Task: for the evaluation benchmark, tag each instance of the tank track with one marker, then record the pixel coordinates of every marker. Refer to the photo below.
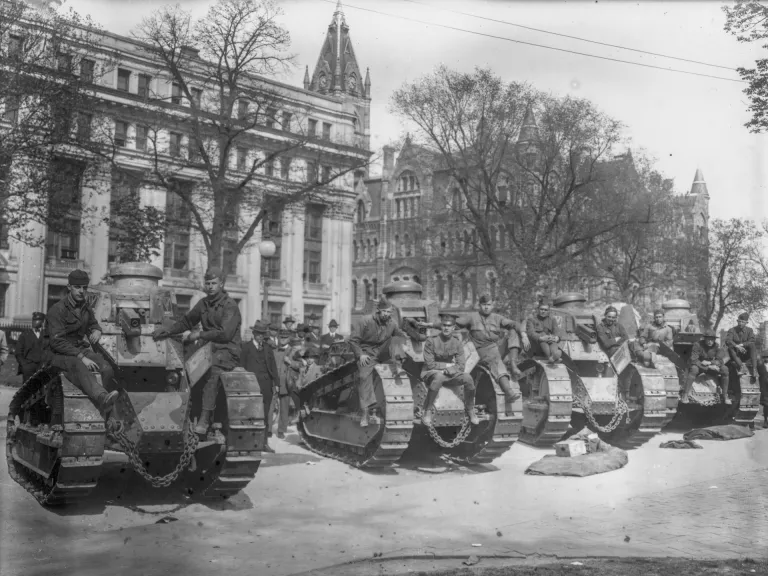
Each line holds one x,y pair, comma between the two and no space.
396,403
78,442
545,418
671,381
749,401
497,440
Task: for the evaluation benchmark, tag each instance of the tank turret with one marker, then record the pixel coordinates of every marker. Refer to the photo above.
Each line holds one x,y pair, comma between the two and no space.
677,313
569,300
403,290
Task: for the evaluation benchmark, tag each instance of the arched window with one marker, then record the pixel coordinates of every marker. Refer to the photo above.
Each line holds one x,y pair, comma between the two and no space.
375,248
459,244
360,211
440,285
368,251
394,246
356,249
443,246
368,293
354,293
407,246
375,288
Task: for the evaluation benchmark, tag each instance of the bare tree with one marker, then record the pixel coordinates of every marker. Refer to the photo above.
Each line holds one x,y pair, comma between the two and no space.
229,129
539,193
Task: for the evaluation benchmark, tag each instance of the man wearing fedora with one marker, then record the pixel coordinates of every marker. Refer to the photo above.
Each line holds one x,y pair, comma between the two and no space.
331,337
219,318
289,322
257,357
72,331
29,347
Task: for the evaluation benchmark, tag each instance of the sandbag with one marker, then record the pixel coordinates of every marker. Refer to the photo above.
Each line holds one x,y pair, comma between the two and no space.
726,432
681,444
605,459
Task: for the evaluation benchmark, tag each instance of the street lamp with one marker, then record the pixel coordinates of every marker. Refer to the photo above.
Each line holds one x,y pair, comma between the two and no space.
267,250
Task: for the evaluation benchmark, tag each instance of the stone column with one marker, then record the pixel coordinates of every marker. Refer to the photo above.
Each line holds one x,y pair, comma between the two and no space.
329,267
253,277
293,266
94,239
30,283
155,196
345,272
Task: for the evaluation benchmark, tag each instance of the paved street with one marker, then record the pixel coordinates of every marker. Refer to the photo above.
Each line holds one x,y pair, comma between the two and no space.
304,513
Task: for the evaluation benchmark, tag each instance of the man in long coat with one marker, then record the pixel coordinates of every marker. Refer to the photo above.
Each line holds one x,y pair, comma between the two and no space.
257,357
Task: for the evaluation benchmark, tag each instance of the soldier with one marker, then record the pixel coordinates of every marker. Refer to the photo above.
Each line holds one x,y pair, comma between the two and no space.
444,363
657,332
707,358
219,317
610,334
545,333
258,357
485,330
375,338
29,348
72,330
740,342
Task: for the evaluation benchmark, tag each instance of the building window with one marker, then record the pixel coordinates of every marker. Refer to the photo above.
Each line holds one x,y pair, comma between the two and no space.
270,120
285,168
310,309
271,228
311,172
11,109
312,262
313,225
62,118
312,132
64,209
197,96
176,93
86,71
398,207
144,80
354,294
375,284
242,109
183,304
228,254
174,142
368,290
287,121
124,195
15,46
313,234
3,292
326,131
123,79
64,63
121,133
242,158
275,312
269,168
327,174
360,211
84,126
141,137
55,294
177,237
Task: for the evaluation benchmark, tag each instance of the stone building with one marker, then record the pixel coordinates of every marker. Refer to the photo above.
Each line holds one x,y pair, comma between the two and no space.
399,233
311,271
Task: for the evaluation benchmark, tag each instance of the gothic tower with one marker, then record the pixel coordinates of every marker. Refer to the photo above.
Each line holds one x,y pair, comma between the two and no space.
338,74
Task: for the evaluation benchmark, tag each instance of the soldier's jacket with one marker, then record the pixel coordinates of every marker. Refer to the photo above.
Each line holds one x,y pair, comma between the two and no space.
220,321
611,337
537,327
68,326
652,333
368,334
737,335
439,352
701,351
487,330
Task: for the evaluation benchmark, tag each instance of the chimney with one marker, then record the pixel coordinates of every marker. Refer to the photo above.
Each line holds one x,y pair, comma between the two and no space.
389,163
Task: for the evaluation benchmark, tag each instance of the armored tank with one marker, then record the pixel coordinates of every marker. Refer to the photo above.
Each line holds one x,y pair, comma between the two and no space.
57,437
624,402
330,421
705,401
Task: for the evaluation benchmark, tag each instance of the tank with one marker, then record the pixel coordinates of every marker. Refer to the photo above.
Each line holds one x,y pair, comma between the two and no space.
57,437
705,403
624,402
329,418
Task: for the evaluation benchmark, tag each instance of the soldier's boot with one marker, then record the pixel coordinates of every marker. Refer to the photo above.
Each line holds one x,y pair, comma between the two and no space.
429,403
513,369
510,388
724,381
370,418
108,403
469,403
204,422
687,389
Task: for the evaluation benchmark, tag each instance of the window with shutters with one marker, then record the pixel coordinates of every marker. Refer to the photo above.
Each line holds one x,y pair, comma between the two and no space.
121,133
178,231
176,93
86,71
64,210
144,82
123,79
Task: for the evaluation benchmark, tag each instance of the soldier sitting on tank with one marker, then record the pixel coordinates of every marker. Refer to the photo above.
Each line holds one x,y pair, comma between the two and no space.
485,330
740,342
219,317
648,338
72,330
444,363
375,339
545,334
707,358
610,334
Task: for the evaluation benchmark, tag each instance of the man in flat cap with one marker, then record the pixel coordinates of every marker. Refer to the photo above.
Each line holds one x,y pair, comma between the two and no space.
707,358
545,334
375,339
485,331
219,318
71,332
740,342
444,363
649,338
29,347
258,357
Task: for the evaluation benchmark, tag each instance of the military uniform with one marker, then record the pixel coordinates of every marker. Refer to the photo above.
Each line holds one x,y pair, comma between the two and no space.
743,336
715,358
611,337
486,333
443,354
652,334
536,328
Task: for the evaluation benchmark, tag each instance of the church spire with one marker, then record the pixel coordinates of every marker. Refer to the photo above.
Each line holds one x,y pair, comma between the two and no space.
337,71
529,131
367,85
699,187
306,78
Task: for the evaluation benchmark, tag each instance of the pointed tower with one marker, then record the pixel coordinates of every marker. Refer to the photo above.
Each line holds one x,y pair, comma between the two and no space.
699,187
367,85
529,131
306,78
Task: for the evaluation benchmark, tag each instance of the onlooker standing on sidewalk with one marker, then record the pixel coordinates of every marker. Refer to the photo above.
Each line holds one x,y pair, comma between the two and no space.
29,348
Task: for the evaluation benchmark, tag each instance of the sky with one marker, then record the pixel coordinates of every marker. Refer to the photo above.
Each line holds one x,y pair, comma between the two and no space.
684,121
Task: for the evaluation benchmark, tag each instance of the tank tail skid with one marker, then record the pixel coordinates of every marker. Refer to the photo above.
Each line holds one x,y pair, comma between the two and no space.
55,440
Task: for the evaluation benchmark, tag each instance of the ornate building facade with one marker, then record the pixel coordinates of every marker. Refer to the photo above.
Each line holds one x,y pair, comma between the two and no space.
311,271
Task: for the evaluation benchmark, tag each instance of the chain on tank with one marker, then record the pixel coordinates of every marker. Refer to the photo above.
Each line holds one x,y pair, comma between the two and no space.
460,437
583,401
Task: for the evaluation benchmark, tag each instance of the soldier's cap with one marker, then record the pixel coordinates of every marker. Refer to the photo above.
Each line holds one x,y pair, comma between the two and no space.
333,324
485,299
709,333
609,310
743,316
543,303
289,320
383,303
78,278
260,327
38,316
448,318
658,311
213,274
